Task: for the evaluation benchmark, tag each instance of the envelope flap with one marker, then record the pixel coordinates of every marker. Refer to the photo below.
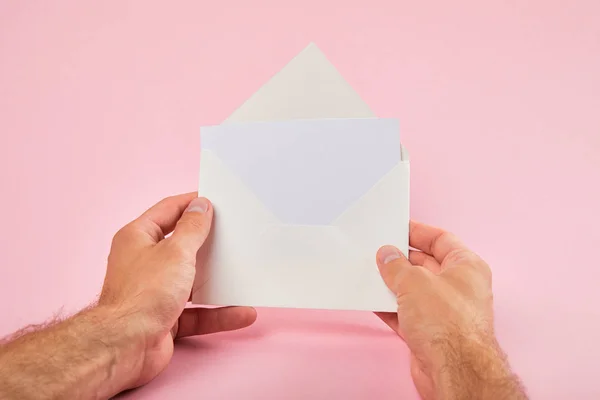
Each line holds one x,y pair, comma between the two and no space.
308,87
379,217
364,225
228,192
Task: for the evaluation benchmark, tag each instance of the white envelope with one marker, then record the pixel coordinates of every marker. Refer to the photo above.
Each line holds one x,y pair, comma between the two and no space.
266,251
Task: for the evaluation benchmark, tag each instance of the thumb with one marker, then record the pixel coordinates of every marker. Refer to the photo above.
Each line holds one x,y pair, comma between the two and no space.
193,227
395,269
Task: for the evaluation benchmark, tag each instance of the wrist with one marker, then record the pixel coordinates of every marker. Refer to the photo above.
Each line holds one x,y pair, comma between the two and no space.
473,366
94,354
123,336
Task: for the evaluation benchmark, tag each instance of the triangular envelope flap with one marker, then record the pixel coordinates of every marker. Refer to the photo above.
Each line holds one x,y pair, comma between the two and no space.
380,217
307,172
234,206
227,192
308,87
374,219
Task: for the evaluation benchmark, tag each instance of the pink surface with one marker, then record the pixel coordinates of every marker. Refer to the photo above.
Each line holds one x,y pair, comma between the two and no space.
100,107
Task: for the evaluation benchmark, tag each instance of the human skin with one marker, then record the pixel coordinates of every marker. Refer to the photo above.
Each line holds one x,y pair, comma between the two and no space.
126,339
445,316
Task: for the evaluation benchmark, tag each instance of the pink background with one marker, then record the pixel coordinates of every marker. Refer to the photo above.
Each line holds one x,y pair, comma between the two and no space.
100,108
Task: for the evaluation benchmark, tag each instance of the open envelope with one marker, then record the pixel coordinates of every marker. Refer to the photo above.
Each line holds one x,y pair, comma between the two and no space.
285,236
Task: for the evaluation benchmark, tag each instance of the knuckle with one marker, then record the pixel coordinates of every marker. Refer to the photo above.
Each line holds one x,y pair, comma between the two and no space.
468,262
442,237
124,234
193,223
475,277
479,267
175,248
410,278
411,273
179,251
460,256
166,200
485,270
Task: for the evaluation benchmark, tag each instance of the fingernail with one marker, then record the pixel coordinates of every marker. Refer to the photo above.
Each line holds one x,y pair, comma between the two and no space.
199,204
388,254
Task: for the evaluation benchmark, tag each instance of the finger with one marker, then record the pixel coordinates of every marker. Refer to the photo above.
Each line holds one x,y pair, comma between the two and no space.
152,226
395,269
424,260
193,227
433,241
201,321
160,219
422,381
390,319
165,214
471,267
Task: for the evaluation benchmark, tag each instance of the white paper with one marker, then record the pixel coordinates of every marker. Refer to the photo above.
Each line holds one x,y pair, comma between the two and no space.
307,171
293,248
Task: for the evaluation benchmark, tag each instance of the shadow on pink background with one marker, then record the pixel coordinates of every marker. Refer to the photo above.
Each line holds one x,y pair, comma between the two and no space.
100,109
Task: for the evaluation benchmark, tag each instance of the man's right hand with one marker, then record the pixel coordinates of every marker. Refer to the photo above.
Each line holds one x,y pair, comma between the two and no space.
445,316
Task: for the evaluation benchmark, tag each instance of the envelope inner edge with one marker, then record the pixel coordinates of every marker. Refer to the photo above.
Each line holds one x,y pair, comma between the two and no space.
401,164
307,172
232,176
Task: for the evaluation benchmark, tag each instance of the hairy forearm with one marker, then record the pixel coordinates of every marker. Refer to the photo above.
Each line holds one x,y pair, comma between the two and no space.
90,355
476,369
